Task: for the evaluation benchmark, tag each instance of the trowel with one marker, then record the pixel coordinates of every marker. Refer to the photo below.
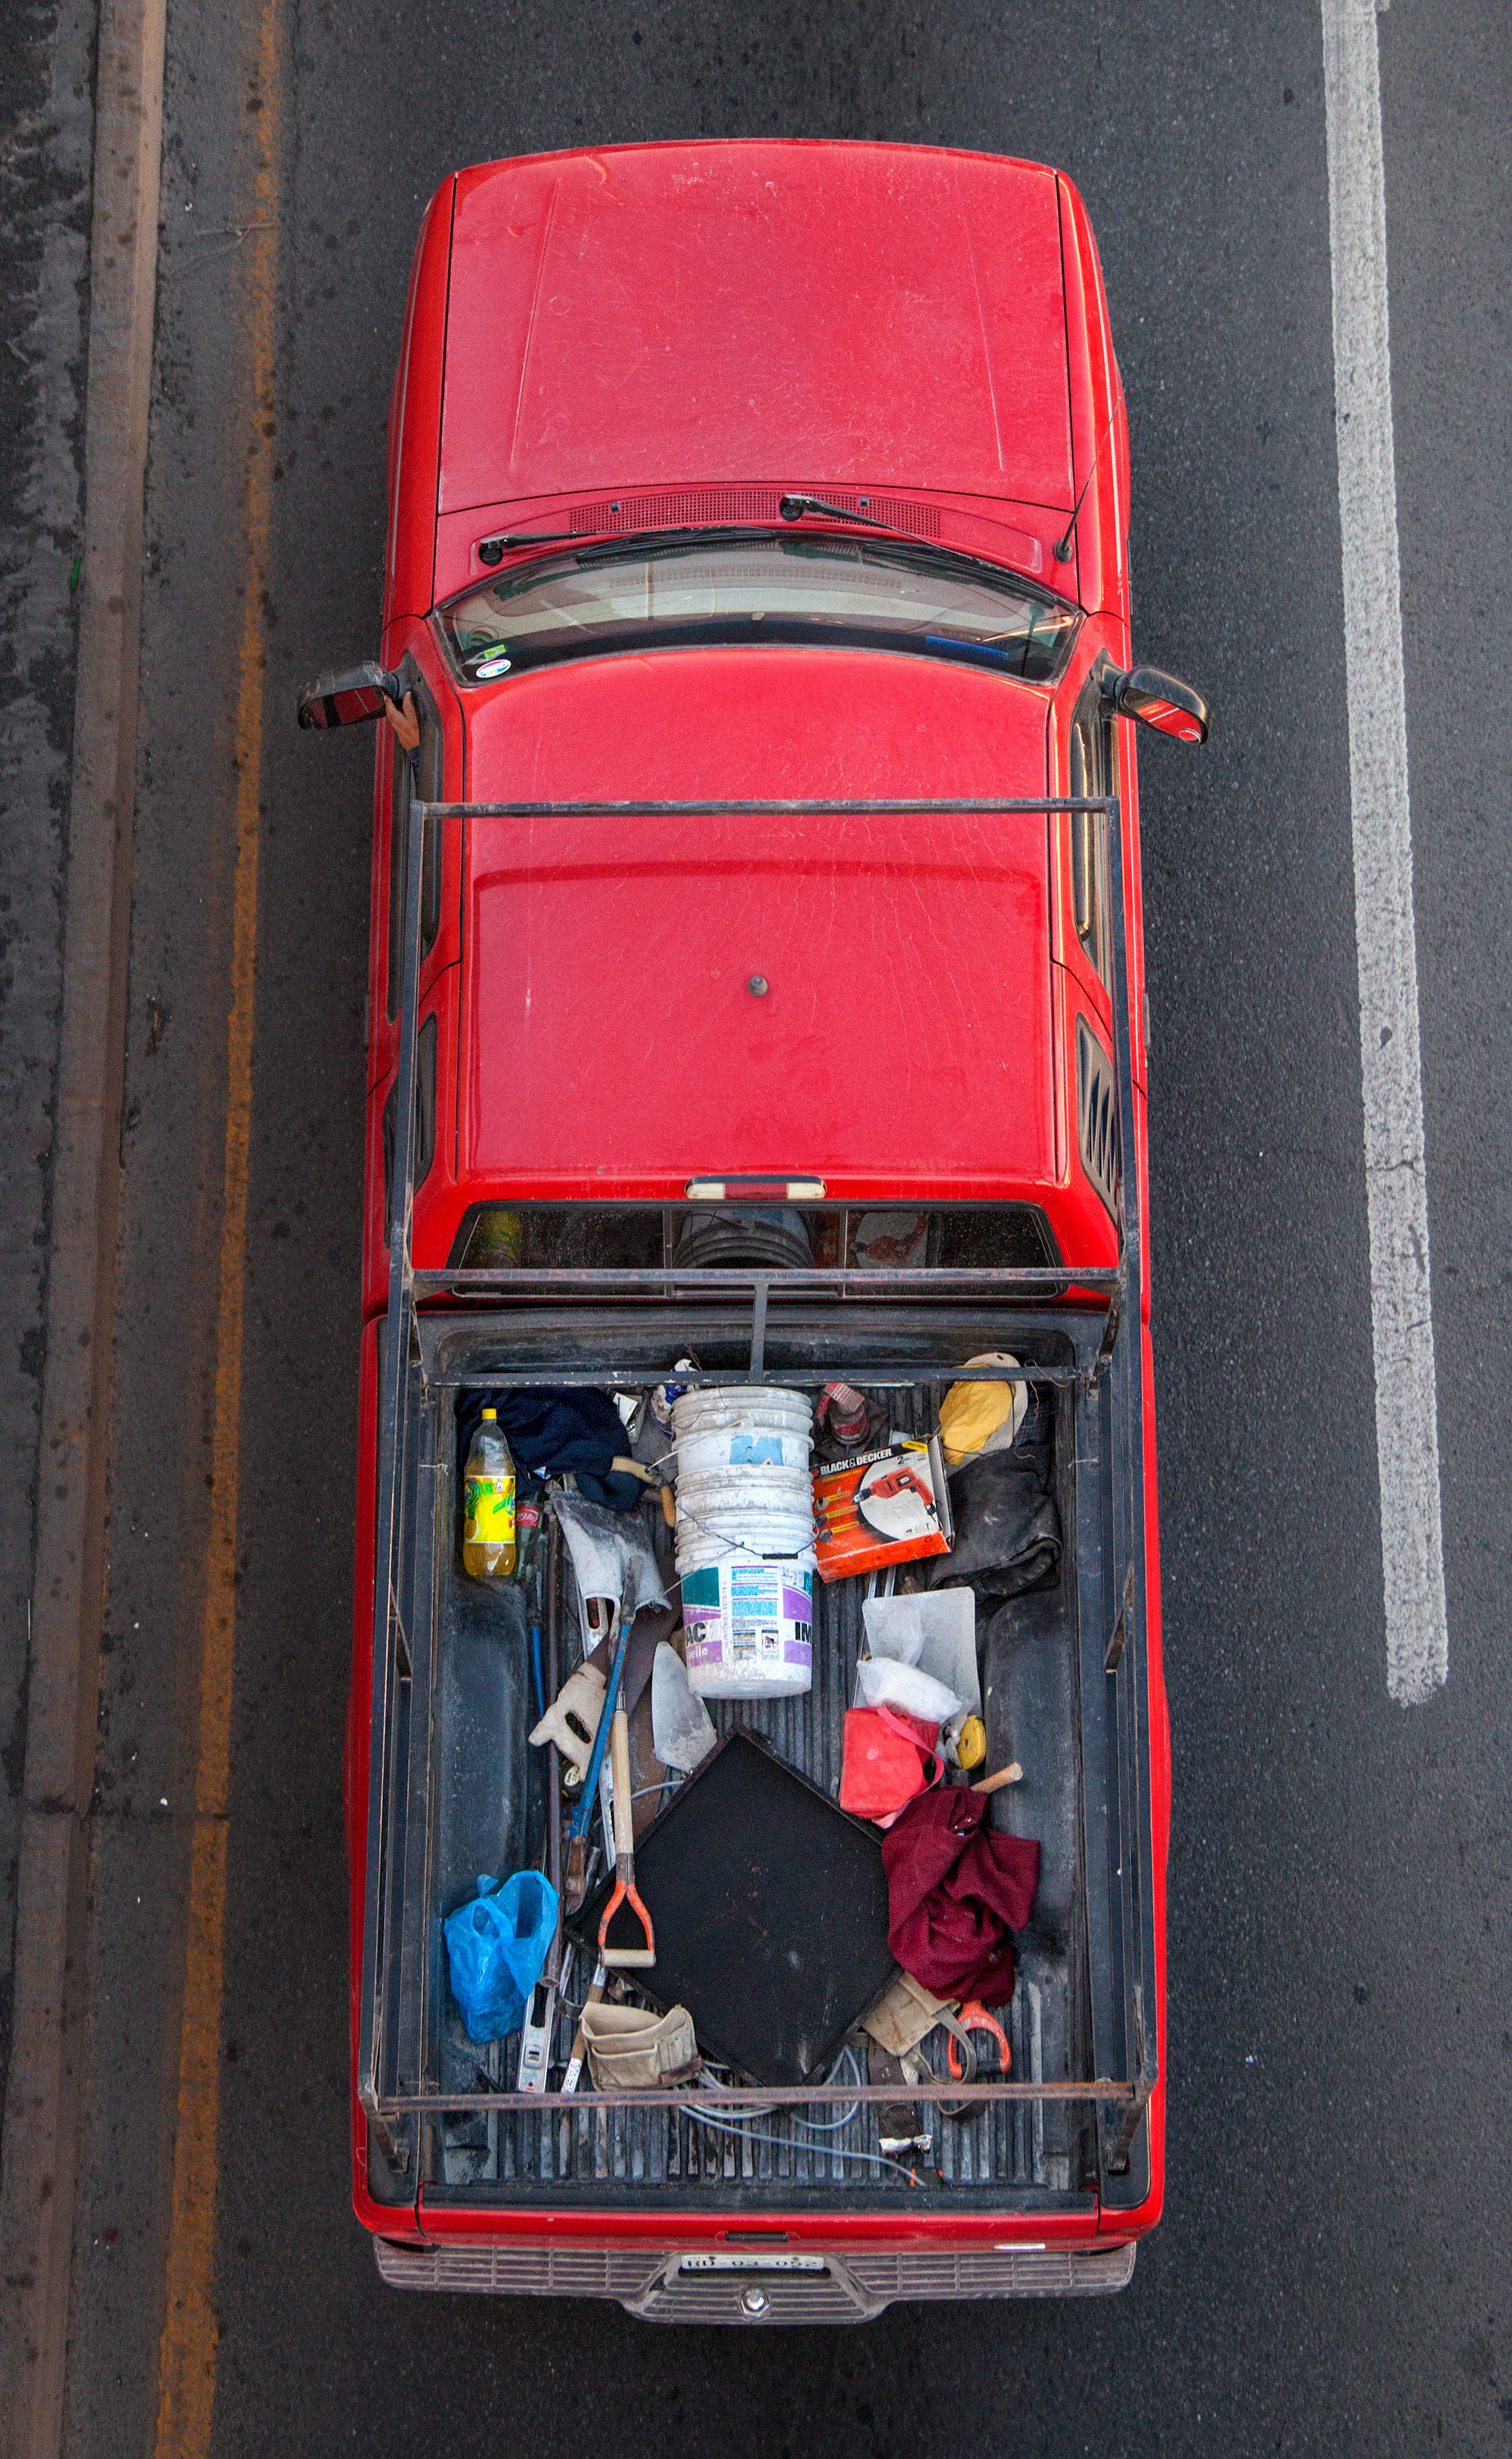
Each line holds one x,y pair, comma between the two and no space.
681,1728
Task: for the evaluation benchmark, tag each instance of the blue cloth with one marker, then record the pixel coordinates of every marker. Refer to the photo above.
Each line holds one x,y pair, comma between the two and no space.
557,1428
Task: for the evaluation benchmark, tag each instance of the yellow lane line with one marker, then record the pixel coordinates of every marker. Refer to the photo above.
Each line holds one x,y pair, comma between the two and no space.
186,2363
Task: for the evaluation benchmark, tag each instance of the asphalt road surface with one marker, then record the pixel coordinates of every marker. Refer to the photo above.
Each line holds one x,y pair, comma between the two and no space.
1332,2272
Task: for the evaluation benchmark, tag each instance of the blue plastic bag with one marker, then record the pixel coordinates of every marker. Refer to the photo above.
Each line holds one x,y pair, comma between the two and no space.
497,1945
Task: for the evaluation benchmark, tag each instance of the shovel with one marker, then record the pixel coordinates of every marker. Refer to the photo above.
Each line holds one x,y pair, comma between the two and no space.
577,1833
625,1885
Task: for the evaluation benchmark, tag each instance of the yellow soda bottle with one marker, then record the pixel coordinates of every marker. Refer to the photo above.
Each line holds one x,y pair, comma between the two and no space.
488,1527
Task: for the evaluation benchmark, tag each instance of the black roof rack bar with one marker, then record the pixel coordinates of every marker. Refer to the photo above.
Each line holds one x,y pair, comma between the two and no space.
823,806
882,1281
888,1377
750,2100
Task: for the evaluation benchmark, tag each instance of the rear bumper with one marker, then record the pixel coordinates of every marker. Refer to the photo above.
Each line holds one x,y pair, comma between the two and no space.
853,2288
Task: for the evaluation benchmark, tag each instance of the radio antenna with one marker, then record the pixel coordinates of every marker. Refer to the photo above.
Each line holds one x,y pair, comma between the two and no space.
1061,548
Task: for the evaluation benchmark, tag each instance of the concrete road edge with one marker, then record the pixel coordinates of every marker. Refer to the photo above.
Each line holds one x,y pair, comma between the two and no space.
44,2096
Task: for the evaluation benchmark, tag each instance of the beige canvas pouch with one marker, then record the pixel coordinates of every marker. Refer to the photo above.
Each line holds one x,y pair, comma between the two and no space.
632,2050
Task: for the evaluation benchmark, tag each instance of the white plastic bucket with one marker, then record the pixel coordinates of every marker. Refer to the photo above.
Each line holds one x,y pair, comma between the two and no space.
743,1478
744,1539
743,1484
749,1629
723,1493
741,1426
720,1550
746,1405
762,1511
735,1446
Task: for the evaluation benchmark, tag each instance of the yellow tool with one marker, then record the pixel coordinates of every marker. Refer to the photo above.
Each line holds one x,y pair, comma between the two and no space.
971,1743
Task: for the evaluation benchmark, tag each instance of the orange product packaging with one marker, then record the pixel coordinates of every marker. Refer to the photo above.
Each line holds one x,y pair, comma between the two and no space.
881,1508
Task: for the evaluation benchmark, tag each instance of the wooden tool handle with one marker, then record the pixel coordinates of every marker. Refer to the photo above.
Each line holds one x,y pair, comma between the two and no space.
1012,1774
619,1762
579,2038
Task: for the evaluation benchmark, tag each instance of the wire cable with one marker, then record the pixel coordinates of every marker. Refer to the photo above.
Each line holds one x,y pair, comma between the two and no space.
784,2143
833,2125
739,2126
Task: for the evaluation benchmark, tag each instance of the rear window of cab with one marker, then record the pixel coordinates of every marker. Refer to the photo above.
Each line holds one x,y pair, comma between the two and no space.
631,1237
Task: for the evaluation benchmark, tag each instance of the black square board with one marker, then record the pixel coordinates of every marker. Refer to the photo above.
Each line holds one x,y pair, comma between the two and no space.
770,1909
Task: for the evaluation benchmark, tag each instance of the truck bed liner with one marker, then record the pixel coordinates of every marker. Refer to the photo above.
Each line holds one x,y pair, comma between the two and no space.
1022,2144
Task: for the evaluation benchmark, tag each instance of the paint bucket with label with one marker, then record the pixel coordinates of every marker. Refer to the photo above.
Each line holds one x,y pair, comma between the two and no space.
749,1629
744,1539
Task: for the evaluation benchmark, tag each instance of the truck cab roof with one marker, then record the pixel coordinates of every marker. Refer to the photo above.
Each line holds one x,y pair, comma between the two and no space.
654,997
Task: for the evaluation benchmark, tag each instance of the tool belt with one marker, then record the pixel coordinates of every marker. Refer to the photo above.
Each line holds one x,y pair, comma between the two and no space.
630,2050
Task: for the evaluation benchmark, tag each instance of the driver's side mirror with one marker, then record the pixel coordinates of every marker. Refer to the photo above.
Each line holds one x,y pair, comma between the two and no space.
1161,701
352,696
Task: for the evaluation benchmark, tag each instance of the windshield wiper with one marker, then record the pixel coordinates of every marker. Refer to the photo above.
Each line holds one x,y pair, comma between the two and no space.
491,550
792,508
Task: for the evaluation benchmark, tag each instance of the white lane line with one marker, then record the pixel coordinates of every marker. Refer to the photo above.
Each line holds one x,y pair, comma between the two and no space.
1396,1176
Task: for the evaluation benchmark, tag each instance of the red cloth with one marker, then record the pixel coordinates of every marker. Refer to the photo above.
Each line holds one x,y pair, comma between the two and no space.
887,1753
954,1891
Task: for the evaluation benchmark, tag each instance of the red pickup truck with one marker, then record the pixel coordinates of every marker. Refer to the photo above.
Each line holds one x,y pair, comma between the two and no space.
757,977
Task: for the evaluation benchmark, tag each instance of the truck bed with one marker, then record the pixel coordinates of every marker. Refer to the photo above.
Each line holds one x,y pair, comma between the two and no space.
485,1810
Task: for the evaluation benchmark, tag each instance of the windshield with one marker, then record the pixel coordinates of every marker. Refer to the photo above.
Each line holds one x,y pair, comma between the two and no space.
732,589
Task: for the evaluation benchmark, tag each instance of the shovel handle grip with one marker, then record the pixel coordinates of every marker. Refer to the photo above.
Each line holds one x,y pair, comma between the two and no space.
579,2038
619,1762
625,1893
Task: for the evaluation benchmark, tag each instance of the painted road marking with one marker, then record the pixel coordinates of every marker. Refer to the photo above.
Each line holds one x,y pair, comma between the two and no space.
1395,1172
186,2363
47,2078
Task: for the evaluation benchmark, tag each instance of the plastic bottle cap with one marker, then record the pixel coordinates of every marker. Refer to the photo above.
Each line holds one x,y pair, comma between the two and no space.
490,1413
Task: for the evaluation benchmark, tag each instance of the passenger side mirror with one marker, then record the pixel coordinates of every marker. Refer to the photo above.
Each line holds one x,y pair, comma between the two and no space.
1161,701
352,696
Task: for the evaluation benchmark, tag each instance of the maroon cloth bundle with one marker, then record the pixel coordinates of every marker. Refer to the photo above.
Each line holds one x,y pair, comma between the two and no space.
954,1891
